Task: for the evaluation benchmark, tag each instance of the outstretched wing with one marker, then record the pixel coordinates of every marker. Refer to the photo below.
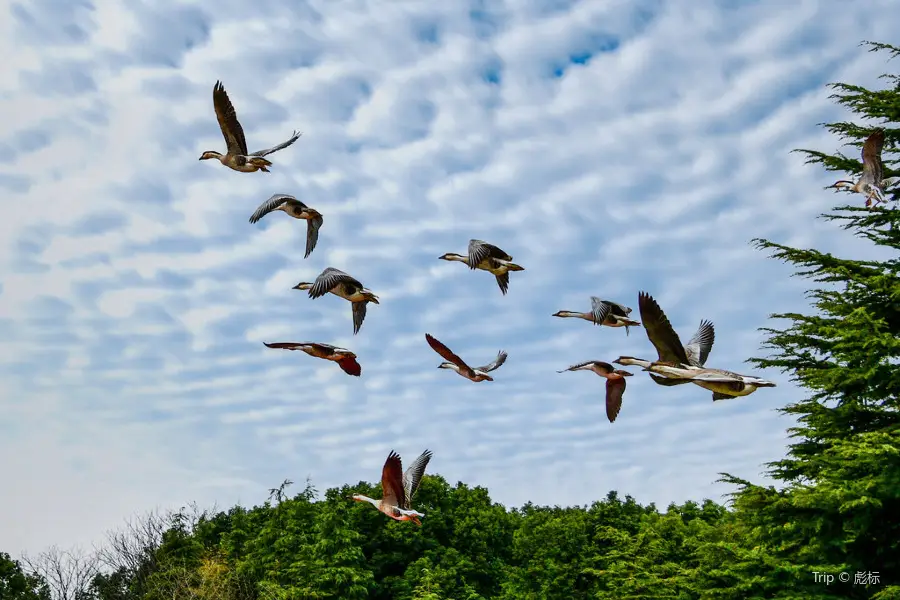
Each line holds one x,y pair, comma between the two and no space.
287,345
495,364
871,156
615,388
698,348
392,480
271,204
479,250
413,476
599,309
294,137
328,280
577,366
715,377
619,309
447,354
660,331
667,381
359,315
228,121
350,366
312,233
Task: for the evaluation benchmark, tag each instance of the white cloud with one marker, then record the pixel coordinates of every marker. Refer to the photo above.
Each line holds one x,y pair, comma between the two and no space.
136,296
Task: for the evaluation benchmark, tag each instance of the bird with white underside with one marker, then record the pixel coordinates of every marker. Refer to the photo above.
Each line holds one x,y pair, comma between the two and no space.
398,488
236,156
487,257
344,286
455,363
296,209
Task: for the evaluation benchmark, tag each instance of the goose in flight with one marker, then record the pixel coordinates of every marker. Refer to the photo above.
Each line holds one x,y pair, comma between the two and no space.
457,364
345,359
398,488
667,343
343,285
487,257
294,208
723,384
236,156
615,383
604,312
870,183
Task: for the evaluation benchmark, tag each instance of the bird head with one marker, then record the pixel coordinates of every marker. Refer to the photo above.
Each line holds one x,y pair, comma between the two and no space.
210,154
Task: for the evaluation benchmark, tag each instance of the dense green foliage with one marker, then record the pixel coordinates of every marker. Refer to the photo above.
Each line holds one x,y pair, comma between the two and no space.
837,512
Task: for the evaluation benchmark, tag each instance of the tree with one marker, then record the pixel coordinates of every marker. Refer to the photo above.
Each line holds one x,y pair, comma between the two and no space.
67,573
15,584
839,510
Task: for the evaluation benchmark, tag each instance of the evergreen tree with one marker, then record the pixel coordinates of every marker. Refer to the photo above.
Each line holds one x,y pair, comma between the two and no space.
839,511
15,584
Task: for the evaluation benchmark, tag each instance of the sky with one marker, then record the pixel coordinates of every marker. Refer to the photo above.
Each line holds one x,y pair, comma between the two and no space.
609,146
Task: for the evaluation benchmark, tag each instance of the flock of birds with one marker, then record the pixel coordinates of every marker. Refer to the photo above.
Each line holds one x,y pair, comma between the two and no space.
675,364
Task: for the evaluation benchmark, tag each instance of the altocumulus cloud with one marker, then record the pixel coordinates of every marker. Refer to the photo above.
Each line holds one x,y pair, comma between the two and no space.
610,146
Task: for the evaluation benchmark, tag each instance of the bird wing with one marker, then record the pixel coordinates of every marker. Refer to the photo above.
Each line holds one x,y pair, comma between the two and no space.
359,315
328,280
294,137
503,282
271,204
599,309
287,345
698,348
479,250
413,476
228,121
715,377
871,156
495,364
447,354
577,366
666,381
619,309
660,331
392,480
615,388
312,233
350,366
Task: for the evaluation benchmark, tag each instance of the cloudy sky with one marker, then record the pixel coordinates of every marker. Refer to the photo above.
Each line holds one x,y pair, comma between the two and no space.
610,146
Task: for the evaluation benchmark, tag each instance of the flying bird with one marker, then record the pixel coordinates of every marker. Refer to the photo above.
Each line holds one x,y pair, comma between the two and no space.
487,257
296,209
345,359
604,312
870,183
399,487
457,364
236,156
615,383
344,286
667,343
723,384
